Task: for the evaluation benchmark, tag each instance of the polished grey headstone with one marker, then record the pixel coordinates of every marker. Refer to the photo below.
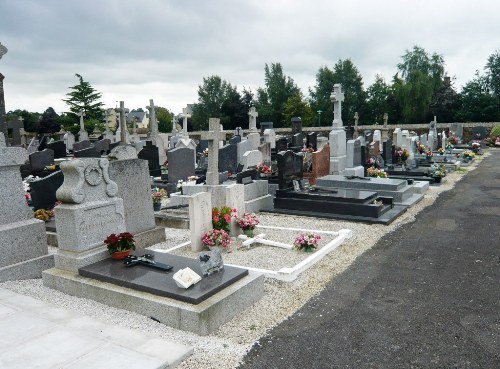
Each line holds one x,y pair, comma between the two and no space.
161,283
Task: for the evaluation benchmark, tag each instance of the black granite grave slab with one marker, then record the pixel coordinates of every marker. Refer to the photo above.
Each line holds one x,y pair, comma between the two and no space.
43,191
150,153
180,164
59,148
40,159
296,125
246,176
143,278
81,145
312,140
89,152
265,125
228,158
43,143
235,139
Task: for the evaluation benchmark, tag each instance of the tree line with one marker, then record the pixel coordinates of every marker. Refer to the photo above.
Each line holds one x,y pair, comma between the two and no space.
418,91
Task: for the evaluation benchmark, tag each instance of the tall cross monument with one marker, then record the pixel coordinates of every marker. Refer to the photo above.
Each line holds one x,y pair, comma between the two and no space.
337,137
82,135
213,136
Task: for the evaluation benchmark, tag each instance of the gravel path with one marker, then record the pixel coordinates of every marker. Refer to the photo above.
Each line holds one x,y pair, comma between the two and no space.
225,347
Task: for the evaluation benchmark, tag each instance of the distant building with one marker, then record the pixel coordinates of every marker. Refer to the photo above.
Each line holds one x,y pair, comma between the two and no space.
140,116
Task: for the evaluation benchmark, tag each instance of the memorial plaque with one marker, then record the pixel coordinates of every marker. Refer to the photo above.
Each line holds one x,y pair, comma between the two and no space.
161,283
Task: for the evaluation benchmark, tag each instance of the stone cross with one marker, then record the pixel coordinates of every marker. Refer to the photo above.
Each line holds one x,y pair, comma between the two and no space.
252,114
337,97
185,117
174,125
386,118
248,241
213,136
153,124
123,125
108,114
3,50
82,114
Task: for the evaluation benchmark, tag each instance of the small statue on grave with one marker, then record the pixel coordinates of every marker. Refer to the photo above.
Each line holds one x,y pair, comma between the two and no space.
210,261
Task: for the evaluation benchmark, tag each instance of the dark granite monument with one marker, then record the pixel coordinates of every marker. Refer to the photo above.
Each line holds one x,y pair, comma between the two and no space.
150,153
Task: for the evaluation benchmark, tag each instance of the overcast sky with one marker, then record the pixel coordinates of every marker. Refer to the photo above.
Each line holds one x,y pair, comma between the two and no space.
161,49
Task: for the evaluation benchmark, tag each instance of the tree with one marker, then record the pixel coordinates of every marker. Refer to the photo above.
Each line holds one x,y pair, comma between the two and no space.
296,106
345,73
477,103
493,73
421,77
30,120
84,97
271,99
212,96
320,96
49,122
378,100
164,117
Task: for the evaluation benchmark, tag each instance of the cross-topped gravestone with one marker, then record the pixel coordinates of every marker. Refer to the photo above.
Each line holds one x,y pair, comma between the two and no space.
82,135
337,97
123,125
185,116
213,136
153,124
356,119
252,119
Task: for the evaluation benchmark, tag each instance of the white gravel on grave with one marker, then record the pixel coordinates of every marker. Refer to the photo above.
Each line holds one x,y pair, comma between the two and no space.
225,347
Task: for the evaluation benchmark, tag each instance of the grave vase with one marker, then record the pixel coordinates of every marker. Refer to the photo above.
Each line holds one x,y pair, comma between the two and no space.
248,232
156,206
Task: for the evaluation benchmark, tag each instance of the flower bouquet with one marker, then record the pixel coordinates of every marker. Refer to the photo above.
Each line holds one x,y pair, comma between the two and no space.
377,173
403,154
428,154
158,194
221,218
306,241
119,245
476,146
453,140
440,151
468,155
43,214
216,238
421,148
247,222
263,168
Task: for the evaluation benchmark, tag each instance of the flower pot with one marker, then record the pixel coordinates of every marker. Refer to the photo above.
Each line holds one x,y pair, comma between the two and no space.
437,179
248,232
156,206
120,255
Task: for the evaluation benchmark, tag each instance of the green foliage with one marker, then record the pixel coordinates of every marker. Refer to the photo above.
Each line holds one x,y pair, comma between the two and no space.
345,73
421,76
271,99
495,132
90,125
30,121
49,122
493,73
84,97
296,106
164,117
477,103
378,101
216,99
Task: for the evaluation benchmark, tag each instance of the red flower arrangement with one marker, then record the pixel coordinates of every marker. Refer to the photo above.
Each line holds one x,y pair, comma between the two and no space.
120,242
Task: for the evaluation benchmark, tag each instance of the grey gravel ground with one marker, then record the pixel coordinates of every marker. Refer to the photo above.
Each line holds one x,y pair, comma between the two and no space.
226,347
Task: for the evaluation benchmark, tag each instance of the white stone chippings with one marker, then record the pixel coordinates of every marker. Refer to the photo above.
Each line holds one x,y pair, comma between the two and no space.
225,347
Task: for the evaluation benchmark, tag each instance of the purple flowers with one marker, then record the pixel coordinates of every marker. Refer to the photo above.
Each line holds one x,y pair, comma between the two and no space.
306,241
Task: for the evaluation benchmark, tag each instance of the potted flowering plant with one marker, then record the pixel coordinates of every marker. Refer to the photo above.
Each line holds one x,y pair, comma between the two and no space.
476,146
247,223
428,155
306,241
421,148
377,173
468,155
158,194
119,245
438,172
221,218
216,238
440,151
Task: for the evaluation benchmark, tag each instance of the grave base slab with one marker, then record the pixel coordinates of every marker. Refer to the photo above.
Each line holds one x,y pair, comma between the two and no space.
27,269
200,319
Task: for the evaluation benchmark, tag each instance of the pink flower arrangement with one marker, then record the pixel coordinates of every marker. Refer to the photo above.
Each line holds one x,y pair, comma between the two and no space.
158,194
306,241
404,154
216,238
247,221
374,172
307,149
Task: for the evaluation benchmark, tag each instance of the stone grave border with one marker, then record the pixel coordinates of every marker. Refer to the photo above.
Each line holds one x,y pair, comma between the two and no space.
289,274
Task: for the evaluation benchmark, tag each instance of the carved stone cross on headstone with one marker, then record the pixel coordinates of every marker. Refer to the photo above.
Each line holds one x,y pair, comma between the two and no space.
81,115
356,119
386,118
248,241
213,136
174,125
123,124
82,135
185,117
252,117
337,97
153,124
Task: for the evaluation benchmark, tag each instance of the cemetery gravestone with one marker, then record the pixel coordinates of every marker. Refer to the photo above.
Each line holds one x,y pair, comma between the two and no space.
265,125
281,144
41,159
150,153
296,125
81,145
228,158
180,165
213,136
43,190
102,146
59,148
89,152
23,241
289,168
251,159
312,141
270,137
